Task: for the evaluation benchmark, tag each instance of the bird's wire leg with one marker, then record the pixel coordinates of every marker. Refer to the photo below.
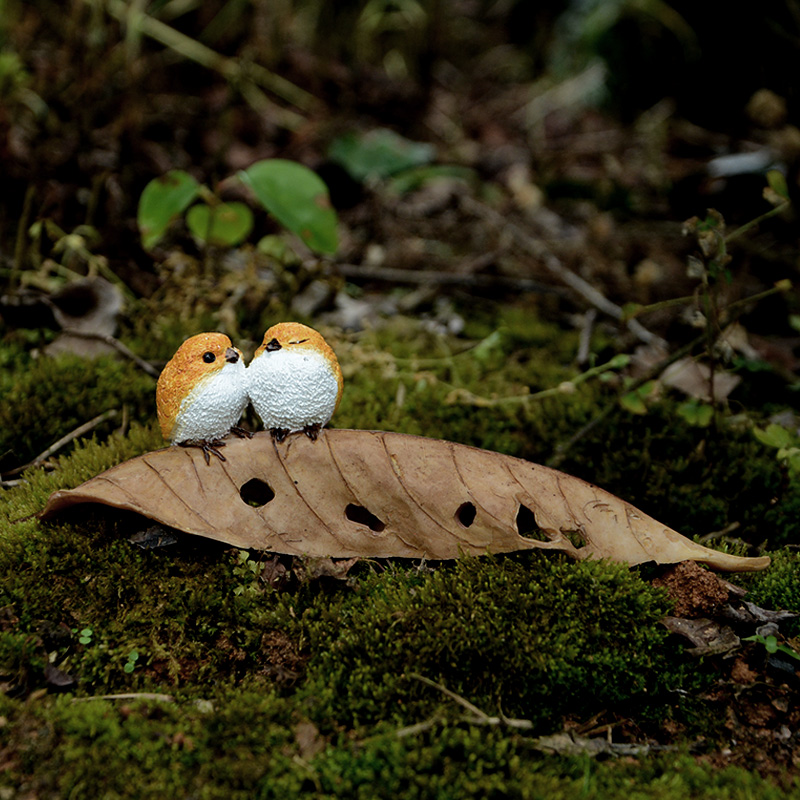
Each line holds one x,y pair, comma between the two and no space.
279,434
312,431
207,446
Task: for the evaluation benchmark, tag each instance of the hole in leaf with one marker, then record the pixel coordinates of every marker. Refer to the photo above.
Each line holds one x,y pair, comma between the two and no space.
526,525
362,516
576,539
256,493
466,514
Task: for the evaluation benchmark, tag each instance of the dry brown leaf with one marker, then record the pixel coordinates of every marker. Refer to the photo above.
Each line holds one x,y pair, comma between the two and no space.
381,495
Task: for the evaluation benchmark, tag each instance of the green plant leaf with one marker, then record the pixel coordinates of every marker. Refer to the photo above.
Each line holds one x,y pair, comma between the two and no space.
697,414
634,401
793,459
162,200
297,198
276,247
773,436
378,153
226,224
777,182
410,180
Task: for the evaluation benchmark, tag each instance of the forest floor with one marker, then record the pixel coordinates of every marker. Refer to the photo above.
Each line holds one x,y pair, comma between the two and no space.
519,273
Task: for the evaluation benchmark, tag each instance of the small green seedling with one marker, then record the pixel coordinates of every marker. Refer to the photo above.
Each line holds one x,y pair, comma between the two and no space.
771,645
378,154
292,193
786,442
247,569
130,664
696,413
86,636
635,400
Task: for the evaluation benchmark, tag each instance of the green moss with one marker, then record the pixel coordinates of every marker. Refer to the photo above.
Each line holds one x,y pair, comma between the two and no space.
46,398
415,382
779,587
697,480
89,457
534,638
247,745
463,762
527,636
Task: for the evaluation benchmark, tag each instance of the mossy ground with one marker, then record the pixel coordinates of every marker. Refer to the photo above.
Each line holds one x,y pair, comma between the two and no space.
335,688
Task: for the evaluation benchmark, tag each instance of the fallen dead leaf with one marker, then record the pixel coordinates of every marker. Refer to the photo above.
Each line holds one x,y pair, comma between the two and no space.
694,379
373,494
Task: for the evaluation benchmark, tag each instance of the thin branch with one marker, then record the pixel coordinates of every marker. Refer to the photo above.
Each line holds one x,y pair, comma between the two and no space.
740,231
419,727
434,277
81,430
249,75
480,717
737,308
585,341
162,698
536,248
118,346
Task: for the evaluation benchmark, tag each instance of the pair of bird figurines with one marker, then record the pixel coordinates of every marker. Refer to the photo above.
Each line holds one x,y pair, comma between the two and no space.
294,383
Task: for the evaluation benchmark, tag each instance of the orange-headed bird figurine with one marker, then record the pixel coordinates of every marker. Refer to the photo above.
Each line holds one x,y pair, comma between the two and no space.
201,393
294,381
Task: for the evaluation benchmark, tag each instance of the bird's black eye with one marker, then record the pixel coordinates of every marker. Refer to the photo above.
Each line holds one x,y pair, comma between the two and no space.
209,357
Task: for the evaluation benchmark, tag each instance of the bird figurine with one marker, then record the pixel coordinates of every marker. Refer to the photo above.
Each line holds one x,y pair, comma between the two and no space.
294,381
201,394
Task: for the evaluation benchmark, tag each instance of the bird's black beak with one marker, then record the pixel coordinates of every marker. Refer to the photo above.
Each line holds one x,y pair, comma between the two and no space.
273,346
231,356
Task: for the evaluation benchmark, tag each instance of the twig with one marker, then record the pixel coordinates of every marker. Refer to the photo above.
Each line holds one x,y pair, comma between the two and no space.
585,341
537,249
163,698
251,75
118,346
22,230
565,387
709,537
737,307
64,440
429,276
480,717
740,231
419,727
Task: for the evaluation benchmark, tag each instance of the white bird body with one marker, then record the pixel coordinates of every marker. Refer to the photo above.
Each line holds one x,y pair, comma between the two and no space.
202,392
213,406
294,380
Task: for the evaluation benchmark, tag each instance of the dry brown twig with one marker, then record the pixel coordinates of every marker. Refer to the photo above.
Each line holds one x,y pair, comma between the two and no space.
436,278
122,349
81,430
480,717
